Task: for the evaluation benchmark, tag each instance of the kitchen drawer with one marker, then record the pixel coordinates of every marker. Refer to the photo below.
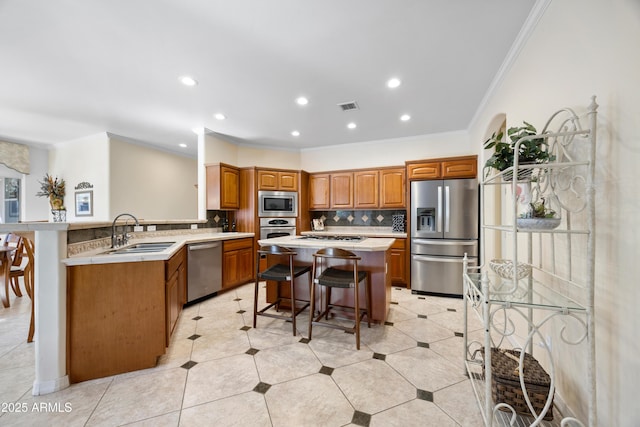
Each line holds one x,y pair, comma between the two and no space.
235,244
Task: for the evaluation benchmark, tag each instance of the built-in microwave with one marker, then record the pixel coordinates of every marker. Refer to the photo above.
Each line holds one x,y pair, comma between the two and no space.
277,204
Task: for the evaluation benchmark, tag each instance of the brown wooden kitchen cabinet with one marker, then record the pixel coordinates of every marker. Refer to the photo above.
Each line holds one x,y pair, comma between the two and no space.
223,184
237,262
116,318
341,193
393,189
462,168
319,186
176,290
398,263
445,168
365,189
424,170
277,180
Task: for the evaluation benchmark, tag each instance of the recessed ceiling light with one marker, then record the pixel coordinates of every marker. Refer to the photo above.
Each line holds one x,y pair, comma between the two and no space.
183,145
405,117
219,116
295,133
393,83
352,125
302,101
188,81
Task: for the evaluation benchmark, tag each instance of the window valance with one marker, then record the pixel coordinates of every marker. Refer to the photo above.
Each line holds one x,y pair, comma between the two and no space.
15,156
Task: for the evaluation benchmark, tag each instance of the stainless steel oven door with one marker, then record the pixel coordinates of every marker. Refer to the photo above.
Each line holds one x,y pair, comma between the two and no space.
271,232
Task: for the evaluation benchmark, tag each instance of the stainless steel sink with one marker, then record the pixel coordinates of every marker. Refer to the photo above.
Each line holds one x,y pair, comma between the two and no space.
139,248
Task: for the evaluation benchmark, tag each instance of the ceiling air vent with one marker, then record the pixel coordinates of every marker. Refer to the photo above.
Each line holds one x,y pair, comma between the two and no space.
346,106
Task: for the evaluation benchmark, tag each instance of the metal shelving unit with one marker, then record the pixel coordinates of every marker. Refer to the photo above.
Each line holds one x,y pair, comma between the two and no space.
561,282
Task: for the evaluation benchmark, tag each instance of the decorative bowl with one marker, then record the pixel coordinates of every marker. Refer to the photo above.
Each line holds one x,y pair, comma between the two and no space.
504,268
537,223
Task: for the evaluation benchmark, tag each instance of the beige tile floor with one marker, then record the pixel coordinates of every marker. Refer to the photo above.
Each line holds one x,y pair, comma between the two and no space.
219,371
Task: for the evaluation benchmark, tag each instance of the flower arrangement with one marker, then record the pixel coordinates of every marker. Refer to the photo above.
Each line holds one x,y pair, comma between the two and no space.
54,189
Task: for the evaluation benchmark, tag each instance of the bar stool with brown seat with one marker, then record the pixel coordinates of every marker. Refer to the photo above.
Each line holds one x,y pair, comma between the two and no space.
280,272
334,277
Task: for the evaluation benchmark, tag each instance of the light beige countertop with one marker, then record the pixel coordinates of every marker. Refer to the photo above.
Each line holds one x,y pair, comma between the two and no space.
370,244
358,231
100,255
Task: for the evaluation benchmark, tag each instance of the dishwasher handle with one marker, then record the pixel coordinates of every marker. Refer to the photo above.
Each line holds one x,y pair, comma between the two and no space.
204,246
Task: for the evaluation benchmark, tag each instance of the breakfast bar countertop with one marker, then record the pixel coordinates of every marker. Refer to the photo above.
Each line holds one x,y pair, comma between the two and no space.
370,244
100,256
358,231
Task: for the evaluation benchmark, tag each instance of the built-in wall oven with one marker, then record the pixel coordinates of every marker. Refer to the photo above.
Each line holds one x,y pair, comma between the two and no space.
277,204
277,227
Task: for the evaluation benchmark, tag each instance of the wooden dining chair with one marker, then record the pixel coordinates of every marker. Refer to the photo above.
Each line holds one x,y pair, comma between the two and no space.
29,282
17,269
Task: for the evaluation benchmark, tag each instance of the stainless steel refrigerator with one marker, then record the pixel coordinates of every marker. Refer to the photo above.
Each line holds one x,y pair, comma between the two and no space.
444,226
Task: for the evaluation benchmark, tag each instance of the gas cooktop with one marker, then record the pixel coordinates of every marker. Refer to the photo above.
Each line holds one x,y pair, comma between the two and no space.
334,237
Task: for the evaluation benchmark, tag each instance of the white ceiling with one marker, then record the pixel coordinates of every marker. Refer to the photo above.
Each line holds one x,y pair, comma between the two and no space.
72,68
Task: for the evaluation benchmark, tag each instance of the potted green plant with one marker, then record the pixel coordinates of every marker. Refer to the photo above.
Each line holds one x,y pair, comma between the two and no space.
538,217
534,150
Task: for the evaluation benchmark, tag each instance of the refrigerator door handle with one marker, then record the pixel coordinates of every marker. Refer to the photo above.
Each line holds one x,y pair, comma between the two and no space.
445,242
425,258
447,208
439,224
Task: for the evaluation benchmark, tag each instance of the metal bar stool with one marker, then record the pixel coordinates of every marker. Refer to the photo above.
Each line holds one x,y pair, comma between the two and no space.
332,277
279,273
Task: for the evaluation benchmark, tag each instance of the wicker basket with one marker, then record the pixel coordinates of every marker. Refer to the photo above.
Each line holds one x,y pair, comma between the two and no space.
505,382
504,268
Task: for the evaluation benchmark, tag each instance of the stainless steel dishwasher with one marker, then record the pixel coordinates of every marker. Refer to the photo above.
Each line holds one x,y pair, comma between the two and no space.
204,274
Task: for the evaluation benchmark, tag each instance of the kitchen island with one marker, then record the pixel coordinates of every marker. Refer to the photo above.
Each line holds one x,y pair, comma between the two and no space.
375,253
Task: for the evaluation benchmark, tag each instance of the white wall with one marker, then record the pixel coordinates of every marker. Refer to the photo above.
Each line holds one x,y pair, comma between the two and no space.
151,184
278,159
391,152
217,150
578,49
84,160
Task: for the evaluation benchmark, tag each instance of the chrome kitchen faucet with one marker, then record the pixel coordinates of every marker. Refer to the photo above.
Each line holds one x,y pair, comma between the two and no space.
124,238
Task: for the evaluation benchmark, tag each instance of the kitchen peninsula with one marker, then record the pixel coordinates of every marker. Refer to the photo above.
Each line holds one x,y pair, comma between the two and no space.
375,253
123,305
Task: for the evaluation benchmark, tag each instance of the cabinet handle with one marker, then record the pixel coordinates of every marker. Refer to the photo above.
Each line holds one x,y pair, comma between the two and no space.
445,242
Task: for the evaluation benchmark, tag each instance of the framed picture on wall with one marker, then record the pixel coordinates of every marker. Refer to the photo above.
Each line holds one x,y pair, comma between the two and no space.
84,203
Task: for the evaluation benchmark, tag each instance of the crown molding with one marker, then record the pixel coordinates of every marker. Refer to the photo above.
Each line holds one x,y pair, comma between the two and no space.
529,26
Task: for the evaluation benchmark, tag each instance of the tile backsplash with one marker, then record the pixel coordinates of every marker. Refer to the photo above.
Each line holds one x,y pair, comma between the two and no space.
214,220
351,218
